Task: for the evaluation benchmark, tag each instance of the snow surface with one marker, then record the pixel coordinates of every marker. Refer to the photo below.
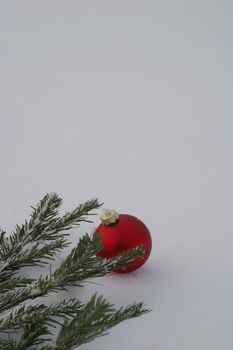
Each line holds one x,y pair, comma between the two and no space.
130,102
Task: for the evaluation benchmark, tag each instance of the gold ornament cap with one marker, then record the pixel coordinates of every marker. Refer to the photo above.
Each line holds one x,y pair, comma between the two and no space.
109,217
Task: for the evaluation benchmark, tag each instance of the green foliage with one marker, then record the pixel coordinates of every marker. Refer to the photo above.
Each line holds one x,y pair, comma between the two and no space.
35,243
93,320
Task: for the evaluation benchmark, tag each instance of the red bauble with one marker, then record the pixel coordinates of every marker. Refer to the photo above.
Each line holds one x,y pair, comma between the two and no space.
121,233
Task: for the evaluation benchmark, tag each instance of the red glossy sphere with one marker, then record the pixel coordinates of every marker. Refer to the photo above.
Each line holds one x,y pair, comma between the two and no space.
126,233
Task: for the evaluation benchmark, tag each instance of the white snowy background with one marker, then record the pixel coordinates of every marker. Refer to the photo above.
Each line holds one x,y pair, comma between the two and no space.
130,102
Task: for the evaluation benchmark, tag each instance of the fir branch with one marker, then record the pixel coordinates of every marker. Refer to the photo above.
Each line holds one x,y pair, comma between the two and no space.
80,214
96,317
21,248
35,333
35,243
35,255
16,250
46,209
4,248
42,216
48,314
15,282
8,344
13,298
80,264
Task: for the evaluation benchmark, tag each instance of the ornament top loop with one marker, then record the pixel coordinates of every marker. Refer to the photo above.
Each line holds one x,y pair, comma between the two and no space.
109,217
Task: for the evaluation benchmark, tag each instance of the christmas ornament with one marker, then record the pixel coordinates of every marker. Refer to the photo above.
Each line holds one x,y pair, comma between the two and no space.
121,232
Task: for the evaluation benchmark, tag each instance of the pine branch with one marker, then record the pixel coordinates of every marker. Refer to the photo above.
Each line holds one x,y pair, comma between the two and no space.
96,317
36,254
36,241
15,282
35,333
8,344
48,314
13,298
42,217
17,250
80,214
80,264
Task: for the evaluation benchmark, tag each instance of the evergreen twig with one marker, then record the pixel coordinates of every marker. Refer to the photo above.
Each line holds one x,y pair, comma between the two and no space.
96,317
35,243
